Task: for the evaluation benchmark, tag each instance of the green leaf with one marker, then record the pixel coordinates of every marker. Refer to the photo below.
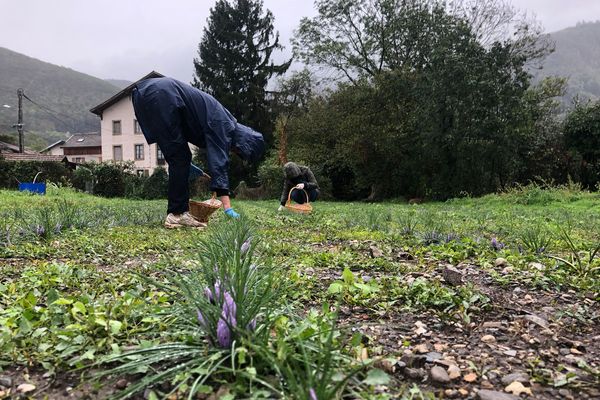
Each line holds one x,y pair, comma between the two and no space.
62,301
348,276
115,326
78,307
335,288
377,377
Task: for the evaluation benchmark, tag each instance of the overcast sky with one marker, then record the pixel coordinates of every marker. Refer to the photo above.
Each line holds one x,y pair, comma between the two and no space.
125,39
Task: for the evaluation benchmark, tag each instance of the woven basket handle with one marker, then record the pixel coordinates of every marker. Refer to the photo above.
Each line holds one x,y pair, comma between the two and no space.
289,200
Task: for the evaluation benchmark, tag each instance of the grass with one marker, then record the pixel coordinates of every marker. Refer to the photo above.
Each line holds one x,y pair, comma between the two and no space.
72,291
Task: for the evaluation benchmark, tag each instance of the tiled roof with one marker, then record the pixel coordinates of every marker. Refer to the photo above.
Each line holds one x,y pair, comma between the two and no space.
12,148
83,140
32,157
125,92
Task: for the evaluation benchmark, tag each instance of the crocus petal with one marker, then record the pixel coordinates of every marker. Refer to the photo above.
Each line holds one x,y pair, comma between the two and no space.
227,321
201,319
252,325
245,246
223,334
312,394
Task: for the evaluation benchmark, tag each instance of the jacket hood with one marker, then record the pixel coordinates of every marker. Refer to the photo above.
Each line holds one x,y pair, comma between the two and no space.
291,170
250,143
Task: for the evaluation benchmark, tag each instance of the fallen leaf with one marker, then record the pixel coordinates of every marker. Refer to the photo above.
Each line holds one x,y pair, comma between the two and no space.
517,388
470,377
488,339
25,388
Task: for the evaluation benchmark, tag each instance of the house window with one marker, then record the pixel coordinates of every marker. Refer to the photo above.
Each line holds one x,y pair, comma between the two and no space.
160,157
139,151
79,160
142,172
118,153
116,127
137,129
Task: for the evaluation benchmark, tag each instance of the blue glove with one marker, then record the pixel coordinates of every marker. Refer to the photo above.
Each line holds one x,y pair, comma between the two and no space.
195,172
231,213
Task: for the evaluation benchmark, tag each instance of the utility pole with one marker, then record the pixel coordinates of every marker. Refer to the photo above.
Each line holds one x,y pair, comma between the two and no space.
20,121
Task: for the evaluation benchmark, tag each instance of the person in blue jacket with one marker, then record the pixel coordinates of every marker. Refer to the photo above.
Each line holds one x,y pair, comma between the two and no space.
173,114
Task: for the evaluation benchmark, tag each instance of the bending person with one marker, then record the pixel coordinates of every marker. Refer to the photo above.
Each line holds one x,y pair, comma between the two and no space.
173,114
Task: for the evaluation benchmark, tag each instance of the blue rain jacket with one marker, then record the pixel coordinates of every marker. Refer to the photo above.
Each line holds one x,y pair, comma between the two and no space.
169,108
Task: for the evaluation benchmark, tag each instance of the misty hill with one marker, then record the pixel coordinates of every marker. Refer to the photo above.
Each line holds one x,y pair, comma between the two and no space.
64,96
577,57
120,83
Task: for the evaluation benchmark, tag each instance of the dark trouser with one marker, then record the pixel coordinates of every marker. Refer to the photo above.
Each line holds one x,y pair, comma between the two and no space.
178,157
299,196
170,138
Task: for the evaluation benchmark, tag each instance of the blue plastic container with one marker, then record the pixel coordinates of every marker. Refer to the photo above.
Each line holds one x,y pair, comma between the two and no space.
38,188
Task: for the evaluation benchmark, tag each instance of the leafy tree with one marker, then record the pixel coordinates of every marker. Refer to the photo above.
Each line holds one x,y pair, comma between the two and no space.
290,99
234,60
582,139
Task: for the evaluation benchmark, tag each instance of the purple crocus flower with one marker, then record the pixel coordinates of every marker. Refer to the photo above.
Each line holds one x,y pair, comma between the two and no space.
215,294
227,321
201,319
312,394
496,245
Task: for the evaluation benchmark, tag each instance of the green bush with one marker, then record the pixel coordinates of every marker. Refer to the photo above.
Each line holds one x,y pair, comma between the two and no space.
157,185
111,179
270,176
13,172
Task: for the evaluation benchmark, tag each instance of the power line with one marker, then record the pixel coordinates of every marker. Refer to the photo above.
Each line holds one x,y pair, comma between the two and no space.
53,113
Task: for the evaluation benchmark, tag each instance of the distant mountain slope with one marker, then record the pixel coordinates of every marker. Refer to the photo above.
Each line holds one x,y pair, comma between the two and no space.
120,83
64,96
577,57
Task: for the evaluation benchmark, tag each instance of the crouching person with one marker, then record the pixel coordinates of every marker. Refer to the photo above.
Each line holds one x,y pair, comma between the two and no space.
299,177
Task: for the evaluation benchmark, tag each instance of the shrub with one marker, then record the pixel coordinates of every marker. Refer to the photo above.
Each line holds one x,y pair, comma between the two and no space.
157,185
13,172
111,179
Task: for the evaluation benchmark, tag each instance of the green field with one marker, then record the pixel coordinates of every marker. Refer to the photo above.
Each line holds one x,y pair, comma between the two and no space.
440,300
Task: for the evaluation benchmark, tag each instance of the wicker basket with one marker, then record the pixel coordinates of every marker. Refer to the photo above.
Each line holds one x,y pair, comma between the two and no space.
202,210
305,208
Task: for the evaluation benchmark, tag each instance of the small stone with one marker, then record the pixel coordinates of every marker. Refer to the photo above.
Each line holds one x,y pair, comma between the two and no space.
485,394
452,276
375,251
439,347
451,393
463,392
575,351
121,384
453,372
492,325
470,377
537,265
564,393
517,389
439,375
415,373
422,348
25,388
432,356
500,262
6,381
564,351
507,270
536,320
515,377
488,339
510,353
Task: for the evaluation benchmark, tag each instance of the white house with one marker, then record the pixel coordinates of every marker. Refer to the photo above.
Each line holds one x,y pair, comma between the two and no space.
121,136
